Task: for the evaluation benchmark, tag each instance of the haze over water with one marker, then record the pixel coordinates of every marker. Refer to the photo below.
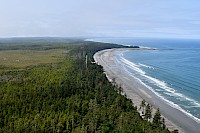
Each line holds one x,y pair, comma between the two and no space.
172,72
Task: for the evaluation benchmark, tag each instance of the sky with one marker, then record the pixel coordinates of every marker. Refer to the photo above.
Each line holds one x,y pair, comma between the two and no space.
100,18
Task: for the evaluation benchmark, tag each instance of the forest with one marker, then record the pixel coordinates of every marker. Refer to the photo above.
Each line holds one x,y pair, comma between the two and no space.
65,93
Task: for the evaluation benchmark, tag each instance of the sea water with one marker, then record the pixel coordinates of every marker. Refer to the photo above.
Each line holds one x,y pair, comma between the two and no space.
172,72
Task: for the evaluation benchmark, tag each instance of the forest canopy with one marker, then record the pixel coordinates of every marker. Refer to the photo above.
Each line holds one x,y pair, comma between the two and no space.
63,94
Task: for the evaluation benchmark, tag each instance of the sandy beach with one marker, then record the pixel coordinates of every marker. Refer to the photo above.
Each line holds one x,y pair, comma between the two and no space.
174,118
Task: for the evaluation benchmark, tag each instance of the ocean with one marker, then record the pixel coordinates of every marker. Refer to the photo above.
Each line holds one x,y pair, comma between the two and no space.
172,72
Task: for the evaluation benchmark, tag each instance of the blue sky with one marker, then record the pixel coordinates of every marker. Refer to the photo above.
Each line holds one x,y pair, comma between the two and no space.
106,18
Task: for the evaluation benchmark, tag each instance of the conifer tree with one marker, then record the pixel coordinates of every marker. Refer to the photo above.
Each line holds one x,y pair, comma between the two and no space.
157,118
148,111
142,106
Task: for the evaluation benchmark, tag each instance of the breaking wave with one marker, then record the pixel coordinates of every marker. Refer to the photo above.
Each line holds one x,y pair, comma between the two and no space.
163,86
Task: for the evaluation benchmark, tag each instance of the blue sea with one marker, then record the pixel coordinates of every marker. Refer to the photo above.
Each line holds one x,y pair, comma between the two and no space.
172,72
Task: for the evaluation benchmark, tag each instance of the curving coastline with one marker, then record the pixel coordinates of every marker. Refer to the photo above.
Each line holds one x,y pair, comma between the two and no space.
175,119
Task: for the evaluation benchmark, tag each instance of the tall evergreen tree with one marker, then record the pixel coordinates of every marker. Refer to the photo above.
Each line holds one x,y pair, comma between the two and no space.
142,106
148,112
157,118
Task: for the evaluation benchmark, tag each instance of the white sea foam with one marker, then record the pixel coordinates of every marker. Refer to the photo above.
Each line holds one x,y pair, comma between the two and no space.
163,85
146,66
172,104
170,91
145,47
132,65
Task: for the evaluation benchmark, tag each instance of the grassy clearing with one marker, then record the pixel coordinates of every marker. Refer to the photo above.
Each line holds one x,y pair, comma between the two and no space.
24,58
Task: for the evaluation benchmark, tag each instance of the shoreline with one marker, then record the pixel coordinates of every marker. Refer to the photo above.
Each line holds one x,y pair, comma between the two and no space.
174,118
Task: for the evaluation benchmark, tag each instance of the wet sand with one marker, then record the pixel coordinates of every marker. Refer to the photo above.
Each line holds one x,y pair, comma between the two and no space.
174,118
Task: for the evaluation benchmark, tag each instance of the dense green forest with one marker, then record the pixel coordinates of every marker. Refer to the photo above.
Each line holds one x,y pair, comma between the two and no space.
67,95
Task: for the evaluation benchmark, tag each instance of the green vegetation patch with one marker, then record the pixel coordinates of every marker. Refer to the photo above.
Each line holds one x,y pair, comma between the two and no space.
25,58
